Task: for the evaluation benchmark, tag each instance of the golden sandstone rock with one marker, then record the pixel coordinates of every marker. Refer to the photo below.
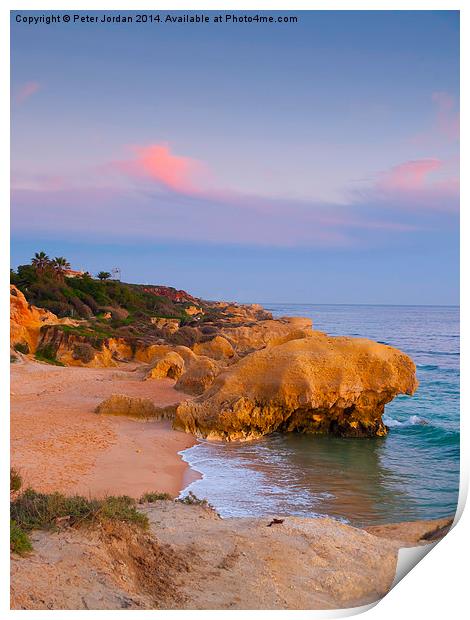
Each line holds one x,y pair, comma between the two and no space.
26,320
317,384
132,407
118,404
171,365
219,348
199,375
256,335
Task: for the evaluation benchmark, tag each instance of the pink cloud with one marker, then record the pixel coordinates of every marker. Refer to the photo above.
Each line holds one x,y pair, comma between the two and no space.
26,91
421,185
410,176
448,121
155,161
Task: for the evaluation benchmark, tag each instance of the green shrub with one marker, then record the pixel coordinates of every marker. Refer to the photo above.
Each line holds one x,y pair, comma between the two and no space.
22,347
47,354
60,308
83,352
15,480
19,540
154,496
192,500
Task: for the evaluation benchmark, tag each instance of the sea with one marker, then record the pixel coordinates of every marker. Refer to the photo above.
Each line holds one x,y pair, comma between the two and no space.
411,474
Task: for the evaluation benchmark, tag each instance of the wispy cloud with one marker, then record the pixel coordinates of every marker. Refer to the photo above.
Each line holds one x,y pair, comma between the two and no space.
156,194
424,185
410,176
158,163
26,90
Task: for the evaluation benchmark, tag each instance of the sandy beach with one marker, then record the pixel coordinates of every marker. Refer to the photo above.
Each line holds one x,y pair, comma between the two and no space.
59,443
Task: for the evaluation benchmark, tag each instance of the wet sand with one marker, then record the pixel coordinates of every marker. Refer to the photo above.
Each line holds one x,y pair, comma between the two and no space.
59,443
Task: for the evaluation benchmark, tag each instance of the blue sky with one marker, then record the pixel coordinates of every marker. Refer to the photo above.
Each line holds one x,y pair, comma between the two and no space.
311,162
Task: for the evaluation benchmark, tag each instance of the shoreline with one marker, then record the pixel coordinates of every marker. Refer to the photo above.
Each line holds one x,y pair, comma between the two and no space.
81,451
59,444
54,428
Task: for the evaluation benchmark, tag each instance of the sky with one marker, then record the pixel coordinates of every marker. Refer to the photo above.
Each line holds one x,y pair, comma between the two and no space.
309,162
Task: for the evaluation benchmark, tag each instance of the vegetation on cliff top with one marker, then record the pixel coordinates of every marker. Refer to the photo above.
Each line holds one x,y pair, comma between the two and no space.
45,284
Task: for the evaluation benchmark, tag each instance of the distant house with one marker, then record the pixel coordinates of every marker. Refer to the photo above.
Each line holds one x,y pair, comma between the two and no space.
73,273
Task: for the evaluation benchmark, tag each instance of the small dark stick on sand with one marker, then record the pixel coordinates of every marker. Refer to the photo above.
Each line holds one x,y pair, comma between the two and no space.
276,522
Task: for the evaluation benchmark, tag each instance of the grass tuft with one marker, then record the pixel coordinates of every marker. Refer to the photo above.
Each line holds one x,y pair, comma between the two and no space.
193,500
49,511
19,540
155,496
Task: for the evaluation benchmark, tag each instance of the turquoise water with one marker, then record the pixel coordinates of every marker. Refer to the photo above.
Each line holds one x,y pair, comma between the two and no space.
412,473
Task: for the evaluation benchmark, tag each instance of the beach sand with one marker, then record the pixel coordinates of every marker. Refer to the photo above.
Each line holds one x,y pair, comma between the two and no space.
58,442
189,558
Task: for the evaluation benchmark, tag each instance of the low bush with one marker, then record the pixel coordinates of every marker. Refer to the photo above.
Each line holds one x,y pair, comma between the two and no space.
22,347
15,480
20,542
155,496
47,354
83,352
192,500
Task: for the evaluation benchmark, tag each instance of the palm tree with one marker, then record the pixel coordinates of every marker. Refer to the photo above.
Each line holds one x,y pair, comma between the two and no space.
40,262
60,265
103,275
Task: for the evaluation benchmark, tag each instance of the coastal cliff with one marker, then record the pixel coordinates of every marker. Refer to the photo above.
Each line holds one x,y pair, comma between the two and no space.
251,374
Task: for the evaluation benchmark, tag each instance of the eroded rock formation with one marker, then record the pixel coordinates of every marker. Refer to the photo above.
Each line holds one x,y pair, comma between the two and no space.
317,384
132,407
26,321
218,348
252,336
171,365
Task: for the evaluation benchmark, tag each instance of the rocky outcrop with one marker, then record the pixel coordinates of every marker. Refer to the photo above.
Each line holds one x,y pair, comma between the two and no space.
171,293
168,326
66,346
219,348
26,321
317,384
200,373
131,407
252,336
193,311
171,365
236,313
